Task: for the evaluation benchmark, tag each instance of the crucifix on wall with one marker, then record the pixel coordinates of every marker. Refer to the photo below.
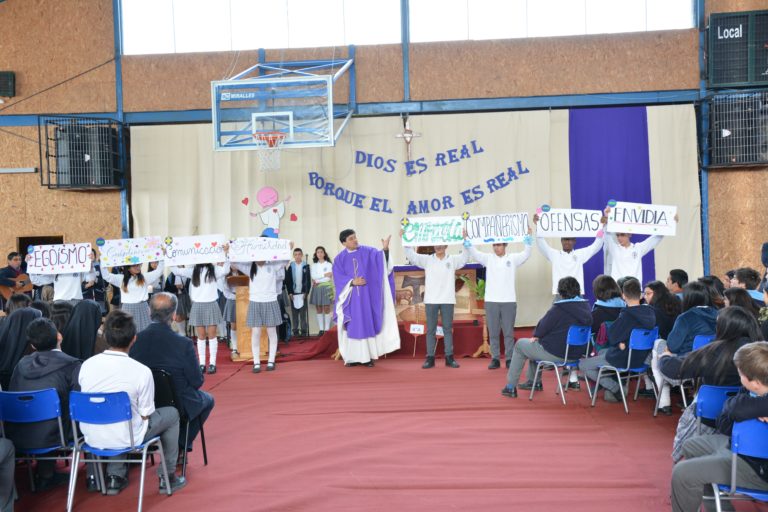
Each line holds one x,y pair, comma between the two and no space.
407,135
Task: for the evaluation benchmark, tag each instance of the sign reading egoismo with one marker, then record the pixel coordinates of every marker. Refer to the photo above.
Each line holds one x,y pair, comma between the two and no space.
59,259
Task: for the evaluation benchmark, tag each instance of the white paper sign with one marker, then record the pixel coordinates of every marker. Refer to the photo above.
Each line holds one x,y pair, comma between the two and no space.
259,249
130,251
416,329
644,219
439,331
497,228
190,250
568,223
418,231
59,259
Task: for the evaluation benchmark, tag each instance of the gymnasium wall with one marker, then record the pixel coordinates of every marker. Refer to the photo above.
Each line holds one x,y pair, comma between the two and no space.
46,43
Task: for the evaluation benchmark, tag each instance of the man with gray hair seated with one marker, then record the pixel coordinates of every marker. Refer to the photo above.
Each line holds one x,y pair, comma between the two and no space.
158,347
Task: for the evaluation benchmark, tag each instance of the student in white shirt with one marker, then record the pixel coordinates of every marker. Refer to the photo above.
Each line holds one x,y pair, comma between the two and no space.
321,272
568,262
65,286
500,295
134,291
205,314
439,296
625,259
230,308
263,309
113,371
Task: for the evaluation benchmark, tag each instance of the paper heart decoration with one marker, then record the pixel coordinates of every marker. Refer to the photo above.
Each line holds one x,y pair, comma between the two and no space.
294,218
214,244
245,201
197,245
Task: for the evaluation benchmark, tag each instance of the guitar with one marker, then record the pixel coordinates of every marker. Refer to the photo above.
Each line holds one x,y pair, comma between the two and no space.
26,286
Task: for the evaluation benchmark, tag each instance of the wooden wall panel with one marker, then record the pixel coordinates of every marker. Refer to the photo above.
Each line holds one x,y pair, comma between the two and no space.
737,201
47,42
734,5
652,61
32,210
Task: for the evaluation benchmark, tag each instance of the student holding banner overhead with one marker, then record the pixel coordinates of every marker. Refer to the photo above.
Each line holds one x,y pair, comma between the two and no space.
500,296
568,261
205,314
134,291
439,296
66,286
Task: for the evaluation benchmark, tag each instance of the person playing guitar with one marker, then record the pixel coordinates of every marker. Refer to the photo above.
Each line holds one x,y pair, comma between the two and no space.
9,276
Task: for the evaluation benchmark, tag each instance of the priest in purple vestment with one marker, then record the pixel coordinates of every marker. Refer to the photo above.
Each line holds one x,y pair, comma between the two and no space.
365,304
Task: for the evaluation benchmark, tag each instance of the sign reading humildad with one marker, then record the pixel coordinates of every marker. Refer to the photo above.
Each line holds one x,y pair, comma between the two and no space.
130,251
190,250
59,259
644,219
432,231
249,249
568,223
497,228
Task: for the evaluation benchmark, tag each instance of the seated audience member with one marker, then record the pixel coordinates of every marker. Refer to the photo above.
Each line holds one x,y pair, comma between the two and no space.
749,279
61,312
7,467
549,336
47,367
708,457
666,306
43,307
634,316
13,341
762,317
17,301
716,290
158,347
608,301
113,371
676,280
80,333
740,297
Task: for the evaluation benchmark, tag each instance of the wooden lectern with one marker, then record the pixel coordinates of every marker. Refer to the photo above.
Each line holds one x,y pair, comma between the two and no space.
240,284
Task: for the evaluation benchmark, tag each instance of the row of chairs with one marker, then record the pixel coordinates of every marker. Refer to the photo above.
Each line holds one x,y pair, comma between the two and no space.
98,409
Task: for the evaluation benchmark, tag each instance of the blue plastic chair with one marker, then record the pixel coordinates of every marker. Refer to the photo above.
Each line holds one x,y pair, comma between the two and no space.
107,409
749,438
710,400
578,336
701,340
34,407
639,339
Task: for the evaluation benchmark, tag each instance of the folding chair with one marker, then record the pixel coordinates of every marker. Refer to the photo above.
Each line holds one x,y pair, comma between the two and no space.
710,400
578,336
699,341
165,396
107,409
749,438
32,407
639,339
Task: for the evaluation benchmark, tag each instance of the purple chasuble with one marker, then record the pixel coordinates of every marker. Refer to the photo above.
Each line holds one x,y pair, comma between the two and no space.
364,309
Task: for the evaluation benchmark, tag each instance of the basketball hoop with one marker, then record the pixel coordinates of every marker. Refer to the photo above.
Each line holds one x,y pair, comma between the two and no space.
268,148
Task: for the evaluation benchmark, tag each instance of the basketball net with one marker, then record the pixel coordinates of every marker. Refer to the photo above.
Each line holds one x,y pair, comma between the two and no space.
268,145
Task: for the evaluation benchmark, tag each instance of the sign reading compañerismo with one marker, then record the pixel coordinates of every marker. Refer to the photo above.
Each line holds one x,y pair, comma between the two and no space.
432,231
130,251
497,228
59,259
644,219
189,250
568,223
259,249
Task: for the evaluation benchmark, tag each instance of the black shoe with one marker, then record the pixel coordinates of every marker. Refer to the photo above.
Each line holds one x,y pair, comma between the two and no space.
450,362
115,484
646,393
369,364
429,362
177,483
91,485
348,365
612,397
270,367
211,369
321,333
202,368
527,385
574,385
256,368
55,480
494,364
509,392
507,363
666,411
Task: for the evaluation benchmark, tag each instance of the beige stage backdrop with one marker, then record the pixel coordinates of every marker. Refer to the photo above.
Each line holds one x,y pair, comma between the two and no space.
478,163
